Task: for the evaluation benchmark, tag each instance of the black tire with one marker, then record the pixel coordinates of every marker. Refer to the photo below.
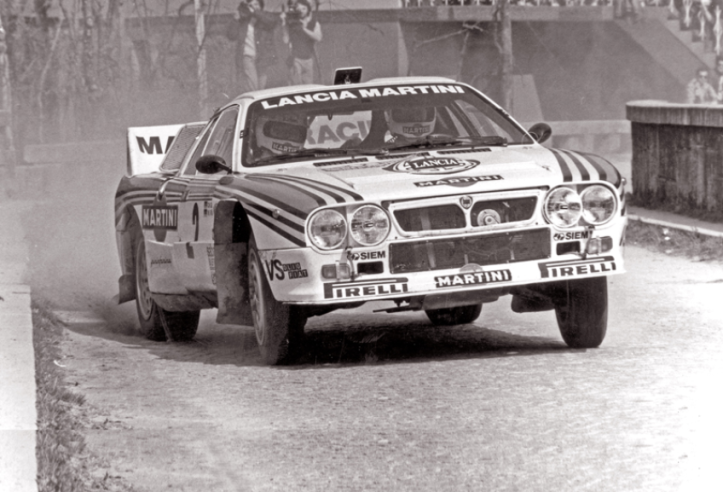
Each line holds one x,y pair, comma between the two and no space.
582,312
459,315
279,327
156,323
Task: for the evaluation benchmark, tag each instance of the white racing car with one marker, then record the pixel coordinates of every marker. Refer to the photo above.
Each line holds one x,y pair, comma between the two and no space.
418,193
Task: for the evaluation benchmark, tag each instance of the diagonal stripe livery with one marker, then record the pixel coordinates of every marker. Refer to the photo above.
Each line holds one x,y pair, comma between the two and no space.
581,166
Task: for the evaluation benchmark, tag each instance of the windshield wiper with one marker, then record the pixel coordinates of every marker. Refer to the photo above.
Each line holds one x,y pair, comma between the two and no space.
321,152
306,153
428,142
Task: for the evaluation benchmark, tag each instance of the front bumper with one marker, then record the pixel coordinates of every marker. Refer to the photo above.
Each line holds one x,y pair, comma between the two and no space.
438,266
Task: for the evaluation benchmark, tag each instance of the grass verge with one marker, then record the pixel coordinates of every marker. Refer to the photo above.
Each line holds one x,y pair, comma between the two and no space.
64,462
676,242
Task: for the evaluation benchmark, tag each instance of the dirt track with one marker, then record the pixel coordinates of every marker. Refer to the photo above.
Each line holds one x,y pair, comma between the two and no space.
499,405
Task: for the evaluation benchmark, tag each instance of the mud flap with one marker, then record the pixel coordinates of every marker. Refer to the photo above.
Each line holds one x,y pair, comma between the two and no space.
126,289
232,284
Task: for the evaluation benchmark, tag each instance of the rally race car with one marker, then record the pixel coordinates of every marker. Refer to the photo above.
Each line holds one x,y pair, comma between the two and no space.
419,193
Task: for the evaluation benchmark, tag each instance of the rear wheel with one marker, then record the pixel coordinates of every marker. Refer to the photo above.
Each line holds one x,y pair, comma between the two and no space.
582,312
459,315
156,323
279,328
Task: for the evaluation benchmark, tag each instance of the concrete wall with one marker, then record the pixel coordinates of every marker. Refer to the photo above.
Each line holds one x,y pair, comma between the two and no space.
678,156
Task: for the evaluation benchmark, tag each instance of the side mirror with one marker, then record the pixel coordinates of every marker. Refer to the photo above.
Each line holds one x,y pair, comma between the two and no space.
540,132
212,164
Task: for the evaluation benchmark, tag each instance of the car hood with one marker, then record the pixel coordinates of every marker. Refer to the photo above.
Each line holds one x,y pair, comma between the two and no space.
436,174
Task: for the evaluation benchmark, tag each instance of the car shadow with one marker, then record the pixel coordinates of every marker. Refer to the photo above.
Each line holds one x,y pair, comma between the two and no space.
338,340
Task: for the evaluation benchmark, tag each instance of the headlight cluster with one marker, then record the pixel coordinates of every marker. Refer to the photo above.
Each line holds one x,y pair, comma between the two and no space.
369,225
564,207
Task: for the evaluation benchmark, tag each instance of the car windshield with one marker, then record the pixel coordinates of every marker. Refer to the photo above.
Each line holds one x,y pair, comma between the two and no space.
373,120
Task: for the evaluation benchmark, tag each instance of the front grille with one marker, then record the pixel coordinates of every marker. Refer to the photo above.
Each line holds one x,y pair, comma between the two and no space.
484,213
430,218
504,211
490,249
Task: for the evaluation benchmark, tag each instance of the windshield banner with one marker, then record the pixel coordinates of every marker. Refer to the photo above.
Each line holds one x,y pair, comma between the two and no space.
366,93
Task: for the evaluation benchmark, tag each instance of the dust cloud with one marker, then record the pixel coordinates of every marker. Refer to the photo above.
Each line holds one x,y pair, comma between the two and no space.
71,239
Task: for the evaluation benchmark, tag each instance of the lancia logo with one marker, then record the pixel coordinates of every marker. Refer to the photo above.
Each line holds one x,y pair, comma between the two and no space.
466,202
432,165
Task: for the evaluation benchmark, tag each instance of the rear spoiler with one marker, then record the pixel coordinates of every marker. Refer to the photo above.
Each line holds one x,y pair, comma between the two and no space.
159,148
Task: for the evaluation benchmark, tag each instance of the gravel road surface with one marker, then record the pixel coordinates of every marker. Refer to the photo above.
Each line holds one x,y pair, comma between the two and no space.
389,402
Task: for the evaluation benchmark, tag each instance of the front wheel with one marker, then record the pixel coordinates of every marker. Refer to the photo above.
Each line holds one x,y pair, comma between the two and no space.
156,323
459,315
582,312
279,327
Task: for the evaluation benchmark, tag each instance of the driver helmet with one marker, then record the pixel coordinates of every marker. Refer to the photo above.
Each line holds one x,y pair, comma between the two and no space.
281,133
411,122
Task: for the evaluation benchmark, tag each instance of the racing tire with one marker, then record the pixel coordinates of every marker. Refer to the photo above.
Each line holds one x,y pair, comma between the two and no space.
582,312
459,315
279,327
156,323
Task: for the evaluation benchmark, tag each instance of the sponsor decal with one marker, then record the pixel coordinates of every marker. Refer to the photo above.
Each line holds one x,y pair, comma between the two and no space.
161,261
369,288
367,255
153,145
208,208
416,130
460,181
284,148
339,129
427,165
569,268
160,218
473,278
367,93
570,236
277,270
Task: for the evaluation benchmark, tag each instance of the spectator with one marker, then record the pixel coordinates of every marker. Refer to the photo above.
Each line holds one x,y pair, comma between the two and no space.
627,8
255,49
719,75
301,32
699,89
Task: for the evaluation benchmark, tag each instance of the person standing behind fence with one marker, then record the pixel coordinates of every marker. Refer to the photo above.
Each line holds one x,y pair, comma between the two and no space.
301,32
699,89
253,32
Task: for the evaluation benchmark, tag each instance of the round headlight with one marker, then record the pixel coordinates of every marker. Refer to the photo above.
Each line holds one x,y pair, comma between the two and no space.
369,225
327,229
563,207
598,204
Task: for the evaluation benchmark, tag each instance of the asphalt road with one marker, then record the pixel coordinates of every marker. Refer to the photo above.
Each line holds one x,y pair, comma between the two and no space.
388,402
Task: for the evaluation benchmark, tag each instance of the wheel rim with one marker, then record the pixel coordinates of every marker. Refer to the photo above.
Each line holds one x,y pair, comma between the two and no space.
256,298
143,292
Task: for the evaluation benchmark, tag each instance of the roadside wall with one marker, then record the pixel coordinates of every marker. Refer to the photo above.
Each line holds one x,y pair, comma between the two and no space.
677,157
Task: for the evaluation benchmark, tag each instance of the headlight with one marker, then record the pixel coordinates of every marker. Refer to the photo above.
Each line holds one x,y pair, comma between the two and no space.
369,225
327,229
598,205
563,207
